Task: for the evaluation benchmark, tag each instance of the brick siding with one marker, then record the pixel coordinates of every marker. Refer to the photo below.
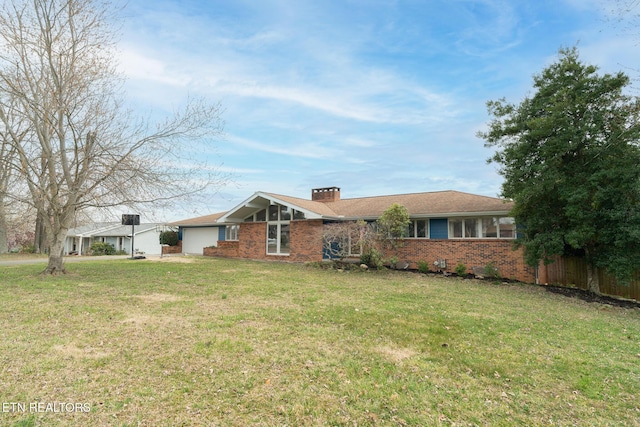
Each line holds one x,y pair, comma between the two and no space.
226,249
471,253
306,246
167,250
306,243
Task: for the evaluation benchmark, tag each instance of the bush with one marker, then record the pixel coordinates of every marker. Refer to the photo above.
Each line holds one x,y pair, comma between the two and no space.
28,249
461,269
372,258
102,248
169,238
490,270
424,267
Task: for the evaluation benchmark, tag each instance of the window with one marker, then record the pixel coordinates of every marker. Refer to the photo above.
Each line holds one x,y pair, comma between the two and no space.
466,228
231,232
485,227
507,228
418,229
489,227
258,216
279,230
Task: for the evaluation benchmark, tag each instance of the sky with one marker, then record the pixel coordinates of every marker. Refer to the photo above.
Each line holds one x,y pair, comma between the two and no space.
373,96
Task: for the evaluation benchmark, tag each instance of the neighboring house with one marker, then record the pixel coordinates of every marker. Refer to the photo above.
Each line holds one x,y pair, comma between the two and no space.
201,232
146,237
448,226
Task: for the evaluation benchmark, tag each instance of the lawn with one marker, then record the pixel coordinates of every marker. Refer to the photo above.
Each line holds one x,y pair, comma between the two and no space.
237,343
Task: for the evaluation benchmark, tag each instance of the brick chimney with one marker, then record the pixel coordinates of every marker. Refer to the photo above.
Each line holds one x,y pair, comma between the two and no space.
329,194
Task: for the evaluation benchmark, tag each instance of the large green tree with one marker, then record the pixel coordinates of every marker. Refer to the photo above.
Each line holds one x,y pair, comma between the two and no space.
570,157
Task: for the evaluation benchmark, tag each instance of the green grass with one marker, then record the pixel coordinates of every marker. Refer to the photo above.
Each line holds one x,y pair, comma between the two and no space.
235,343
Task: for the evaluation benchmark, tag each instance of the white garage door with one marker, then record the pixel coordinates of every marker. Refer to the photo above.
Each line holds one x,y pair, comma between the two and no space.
195,239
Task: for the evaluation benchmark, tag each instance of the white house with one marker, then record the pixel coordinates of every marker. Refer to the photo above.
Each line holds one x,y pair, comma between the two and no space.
146,238
201,232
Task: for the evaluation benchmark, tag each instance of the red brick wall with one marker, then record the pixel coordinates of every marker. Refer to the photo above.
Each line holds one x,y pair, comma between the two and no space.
166,250
252,239
306,243
227,249
471,253
306,240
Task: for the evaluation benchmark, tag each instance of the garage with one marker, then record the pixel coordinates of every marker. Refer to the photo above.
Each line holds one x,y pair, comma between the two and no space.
196,238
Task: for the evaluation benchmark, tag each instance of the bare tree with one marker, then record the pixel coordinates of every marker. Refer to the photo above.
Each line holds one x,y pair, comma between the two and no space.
346,238
77,147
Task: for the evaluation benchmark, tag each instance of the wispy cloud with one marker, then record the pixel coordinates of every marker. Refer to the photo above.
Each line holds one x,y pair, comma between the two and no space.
374,96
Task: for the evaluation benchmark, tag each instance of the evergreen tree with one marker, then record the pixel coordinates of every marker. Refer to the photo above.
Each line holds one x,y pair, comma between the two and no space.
570,157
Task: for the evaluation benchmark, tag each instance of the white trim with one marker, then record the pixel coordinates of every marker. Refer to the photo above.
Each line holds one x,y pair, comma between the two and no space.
250,203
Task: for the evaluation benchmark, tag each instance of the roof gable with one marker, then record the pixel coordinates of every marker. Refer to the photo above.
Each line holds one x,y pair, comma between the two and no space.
261,200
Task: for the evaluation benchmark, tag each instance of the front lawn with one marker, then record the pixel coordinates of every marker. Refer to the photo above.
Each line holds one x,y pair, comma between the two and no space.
237,343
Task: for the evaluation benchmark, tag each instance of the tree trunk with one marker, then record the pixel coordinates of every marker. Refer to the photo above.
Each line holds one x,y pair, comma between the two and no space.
4,239
40,237
56,261
593,282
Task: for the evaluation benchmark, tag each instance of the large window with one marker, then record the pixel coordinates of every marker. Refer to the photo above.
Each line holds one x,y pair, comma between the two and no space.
485,227
279,230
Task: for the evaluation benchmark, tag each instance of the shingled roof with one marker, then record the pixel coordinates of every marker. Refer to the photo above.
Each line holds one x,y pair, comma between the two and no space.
422,204
430,204
200,221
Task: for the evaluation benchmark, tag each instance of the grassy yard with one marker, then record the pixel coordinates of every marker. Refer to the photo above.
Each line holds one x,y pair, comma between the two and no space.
235,343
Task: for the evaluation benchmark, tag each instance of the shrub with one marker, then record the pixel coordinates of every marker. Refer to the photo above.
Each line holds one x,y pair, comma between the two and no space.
424,267
28,249
372,258
490,270
461,269
169,238
102,248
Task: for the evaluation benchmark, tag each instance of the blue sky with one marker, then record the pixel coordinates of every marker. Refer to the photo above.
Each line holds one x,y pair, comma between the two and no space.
373,96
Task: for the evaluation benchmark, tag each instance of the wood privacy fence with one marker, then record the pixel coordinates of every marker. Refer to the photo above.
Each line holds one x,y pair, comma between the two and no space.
570,271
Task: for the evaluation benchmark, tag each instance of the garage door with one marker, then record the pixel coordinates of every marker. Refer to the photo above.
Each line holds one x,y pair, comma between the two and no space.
195,239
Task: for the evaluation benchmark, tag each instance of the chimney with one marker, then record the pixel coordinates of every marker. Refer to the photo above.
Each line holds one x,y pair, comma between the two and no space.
329,194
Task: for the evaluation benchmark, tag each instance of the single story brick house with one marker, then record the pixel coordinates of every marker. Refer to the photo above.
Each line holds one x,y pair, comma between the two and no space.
449,226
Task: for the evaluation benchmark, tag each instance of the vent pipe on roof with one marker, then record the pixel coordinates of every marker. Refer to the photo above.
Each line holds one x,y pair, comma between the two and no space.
328,194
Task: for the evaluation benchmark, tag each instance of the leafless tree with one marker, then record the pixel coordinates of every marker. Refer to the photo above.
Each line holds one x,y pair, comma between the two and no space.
76,146
346,238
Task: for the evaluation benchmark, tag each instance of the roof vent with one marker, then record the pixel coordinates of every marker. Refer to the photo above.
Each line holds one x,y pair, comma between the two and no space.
329,194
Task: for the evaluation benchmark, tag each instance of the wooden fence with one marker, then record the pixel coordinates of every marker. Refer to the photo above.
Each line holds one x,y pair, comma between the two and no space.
571,271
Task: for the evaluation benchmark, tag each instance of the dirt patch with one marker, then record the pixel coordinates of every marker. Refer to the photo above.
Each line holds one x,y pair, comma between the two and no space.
591,297
152,298
396,354
77,352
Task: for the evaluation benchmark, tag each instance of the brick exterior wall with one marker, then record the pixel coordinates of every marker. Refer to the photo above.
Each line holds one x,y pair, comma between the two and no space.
226,249
306,246
168,250
306,243
471,253
306,240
